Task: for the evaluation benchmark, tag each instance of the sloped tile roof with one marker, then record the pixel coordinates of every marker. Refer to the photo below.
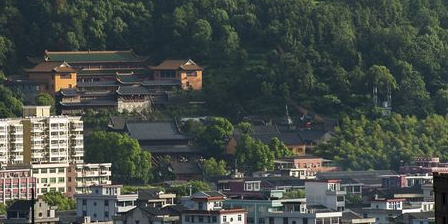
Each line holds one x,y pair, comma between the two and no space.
94,56
147,130
185,64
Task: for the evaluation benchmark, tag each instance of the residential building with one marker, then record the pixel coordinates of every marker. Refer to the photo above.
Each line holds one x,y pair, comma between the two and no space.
351,217
416,218
103,203
441,197
206,207
301,213
155,198
325,192
15,184
311,164
19,212
142,214
40,138
50,177
369,178
80,177
425,165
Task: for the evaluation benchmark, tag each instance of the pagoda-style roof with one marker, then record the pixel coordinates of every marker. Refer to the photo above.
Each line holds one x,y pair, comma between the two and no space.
162,82
128,79
132,90
70,92
186,64
113,71
53,66
93,56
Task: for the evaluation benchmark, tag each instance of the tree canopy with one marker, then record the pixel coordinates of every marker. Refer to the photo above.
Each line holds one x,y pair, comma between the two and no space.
60,200
130,164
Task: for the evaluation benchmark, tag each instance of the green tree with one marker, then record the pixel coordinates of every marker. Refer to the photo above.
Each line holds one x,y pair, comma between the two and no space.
130,164
441,103
214,168
280,150
44,99
10,106
60,200
253,155
215,136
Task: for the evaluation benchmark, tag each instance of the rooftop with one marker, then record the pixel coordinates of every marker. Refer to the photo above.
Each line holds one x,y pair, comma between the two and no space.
133,90
54,66
368,177
147,130
94,56
20,205
186,64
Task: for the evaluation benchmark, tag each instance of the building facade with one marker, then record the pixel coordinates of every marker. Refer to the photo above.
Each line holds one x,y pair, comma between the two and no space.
50,177
103,203
40,138
206,207
19,212
325,192
441,197
80,177
15,184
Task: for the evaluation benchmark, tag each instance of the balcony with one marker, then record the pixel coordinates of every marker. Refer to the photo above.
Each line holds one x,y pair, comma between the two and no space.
105,173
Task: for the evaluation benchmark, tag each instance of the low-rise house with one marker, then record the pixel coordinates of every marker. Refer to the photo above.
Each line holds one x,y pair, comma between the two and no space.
325,192
311,164
351,217
19,212
103,203
206,207
186,71
425,165
416,218
155,198
143,214
369,178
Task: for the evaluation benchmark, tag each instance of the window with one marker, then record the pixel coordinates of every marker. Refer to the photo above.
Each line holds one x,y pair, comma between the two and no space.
43,171
192,218
69,179
285,220
340,198
84,202
94,215
106,202
53,170
261,220
224,218
61,170
36,171
53,180
187,218
214,219
61,180
43,180
271,220
192,74
84,213
201,218
65,76
169,74
200,206
44,190
52,189
239,217
61,189
106,214
94,203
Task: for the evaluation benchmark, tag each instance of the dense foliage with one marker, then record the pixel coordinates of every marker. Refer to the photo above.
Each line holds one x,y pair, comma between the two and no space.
60,200
260,53
130,164
214,168
44,99
386,143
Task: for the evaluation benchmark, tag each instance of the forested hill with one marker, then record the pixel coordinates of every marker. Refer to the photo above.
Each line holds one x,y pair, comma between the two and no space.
325,55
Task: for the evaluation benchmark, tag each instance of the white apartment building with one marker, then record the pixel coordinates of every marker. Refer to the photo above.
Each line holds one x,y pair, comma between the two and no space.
50,177
325,192
11,141
40,138
206,207
103,203
80,177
